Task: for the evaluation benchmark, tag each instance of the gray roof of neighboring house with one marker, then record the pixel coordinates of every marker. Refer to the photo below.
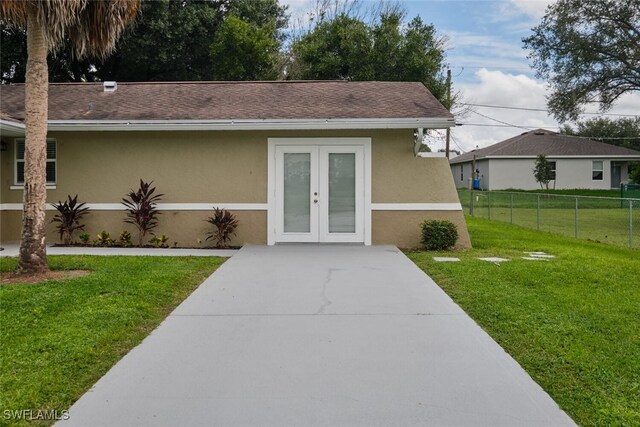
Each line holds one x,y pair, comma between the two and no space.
545,142
233,100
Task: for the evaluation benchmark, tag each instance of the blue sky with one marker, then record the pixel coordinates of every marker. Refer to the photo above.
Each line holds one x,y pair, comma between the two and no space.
489,65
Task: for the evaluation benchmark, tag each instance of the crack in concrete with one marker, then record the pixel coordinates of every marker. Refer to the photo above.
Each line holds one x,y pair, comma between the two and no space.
326,302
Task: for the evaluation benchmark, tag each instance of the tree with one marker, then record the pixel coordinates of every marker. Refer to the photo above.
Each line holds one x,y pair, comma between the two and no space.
589,51
91,28
244,51
624,132
543,172
172,41
345,47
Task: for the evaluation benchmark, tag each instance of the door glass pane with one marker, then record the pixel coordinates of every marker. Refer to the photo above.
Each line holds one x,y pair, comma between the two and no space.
342,193
297,192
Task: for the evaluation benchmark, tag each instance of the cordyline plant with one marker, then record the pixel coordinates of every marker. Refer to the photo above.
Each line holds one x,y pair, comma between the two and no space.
225,224
70,212
141,209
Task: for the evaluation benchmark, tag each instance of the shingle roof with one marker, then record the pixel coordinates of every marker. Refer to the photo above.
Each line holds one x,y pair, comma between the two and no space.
9,118
545,142
233,100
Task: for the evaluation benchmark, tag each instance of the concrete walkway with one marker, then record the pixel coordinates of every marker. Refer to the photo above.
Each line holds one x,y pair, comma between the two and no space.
13,250
317,336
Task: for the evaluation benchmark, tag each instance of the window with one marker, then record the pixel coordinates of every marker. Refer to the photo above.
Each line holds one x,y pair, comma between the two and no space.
51,161
597,171
553,170
461,172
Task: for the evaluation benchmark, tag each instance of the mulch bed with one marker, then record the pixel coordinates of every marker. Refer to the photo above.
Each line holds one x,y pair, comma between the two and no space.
30,279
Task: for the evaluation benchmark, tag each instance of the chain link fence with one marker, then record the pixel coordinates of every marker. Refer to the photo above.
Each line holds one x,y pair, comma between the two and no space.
602,219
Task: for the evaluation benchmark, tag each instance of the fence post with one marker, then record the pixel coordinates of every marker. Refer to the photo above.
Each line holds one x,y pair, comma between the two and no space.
576,231
511,207
471,202
630,223
538,214
489,203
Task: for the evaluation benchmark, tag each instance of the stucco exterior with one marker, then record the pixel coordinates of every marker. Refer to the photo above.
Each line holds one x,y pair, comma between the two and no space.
207,168
517,173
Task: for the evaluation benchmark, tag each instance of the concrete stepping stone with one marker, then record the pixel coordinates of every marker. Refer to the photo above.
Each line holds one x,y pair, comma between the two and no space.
534,258
539,255
445,259
494,259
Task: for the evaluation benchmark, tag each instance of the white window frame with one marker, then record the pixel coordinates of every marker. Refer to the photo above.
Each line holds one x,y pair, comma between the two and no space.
554,169
20,185
593,169
461,172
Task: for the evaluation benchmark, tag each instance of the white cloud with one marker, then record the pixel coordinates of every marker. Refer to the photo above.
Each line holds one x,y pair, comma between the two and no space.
532,8
498,88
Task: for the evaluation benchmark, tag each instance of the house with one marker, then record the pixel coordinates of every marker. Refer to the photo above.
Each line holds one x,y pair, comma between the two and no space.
295,161
577,162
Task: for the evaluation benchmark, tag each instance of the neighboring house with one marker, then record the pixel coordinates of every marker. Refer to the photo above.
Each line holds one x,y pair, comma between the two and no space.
304,161
577,162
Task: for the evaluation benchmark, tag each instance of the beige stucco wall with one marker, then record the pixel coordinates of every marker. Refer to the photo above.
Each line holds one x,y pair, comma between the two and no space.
399,227
220,167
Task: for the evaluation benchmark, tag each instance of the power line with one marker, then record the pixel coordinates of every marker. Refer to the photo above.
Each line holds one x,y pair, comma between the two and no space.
504,107
538,127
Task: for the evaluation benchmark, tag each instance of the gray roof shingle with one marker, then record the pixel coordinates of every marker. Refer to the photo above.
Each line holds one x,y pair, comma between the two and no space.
233,100
545,142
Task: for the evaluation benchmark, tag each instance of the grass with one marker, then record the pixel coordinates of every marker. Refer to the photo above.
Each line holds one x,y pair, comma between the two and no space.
59,337
601,220
573,323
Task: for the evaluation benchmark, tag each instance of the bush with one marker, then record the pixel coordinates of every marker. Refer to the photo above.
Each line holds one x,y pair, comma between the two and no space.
438,235
225,224
70,212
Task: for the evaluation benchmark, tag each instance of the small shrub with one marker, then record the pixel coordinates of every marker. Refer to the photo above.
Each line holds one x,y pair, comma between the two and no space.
438,235
141,209
159,241
125,238
70,212
84,238
225,224
104,239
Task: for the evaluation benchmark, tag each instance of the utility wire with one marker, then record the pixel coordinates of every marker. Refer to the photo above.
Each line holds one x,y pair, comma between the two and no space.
504,107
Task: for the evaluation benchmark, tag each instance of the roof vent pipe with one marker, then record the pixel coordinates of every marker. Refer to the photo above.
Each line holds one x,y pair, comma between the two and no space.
110,86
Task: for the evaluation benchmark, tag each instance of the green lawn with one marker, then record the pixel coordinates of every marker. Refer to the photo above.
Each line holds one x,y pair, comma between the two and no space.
598,219
58,338
573,322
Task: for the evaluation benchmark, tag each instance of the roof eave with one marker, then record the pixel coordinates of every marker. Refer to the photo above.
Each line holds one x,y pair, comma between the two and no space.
244,124
11,128
552,156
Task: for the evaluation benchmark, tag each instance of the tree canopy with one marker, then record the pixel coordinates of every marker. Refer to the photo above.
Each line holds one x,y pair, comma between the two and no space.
346,47
543,171
172,40
589,51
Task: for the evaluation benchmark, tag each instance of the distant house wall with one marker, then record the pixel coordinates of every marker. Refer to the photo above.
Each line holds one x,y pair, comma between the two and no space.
481,165
504,174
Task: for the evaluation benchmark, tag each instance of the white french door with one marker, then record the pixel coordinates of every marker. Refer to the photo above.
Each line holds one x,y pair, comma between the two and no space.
319,193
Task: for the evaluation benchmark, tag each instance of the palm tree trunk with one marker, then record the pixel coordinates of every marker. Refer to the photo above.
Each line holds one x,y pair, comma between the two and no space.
33,254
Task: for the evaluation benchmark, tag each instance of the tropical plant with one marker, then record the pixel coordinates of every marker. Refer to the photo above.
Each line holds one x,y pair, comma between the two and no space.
141,209
70,212
159,241
91,28
125,238
225,224
438,235
84,238
104,239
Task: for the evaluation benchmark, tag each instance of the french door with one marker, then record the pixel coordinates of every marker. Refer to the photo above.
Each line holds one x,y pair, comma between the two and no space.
319,193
